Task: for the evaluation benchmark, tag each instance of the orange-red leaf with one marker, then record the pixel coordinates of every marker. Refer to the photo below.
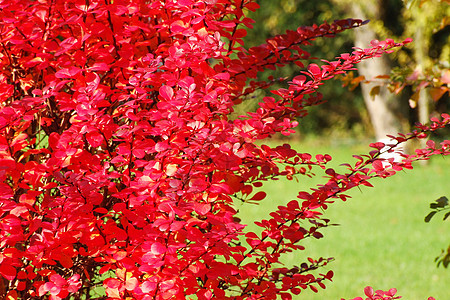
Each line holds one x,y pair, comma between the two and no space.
437,92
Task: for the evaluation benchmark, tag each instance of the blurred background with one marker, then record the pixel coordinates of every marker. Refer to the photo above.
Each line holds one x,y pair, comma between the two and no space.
382,239
417,76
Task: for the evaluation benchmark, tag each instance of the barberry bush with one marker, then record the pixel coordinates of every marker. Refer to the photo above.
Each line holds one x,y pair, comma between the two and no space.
120,161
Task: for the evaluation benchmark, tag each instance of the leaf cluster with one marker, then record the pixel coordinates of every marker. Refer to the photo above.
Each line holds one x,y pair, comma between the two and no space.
440,205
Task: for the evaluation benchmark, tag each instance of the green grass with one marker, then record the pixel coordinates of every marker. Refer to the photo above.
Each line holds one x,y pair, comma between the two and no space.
382,239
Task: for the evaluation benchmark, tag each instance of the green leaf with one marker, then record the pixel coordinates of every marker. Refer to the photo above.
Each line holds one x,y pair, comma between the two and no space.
443,258
429,216
443,201
440,203
446,261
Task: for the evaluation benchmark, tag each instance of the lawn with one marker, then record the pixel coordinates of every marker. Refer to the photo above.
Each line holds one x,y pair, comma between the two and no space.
382,239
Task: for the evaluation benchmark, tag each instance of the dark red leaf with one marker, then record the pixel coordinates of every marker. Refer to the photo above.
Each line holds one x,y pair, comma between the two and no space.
258,196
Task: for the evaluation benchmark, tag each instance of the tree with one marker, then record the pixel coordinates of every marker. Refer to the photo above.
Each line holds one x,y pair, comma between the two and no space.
427,22
120,164
344,111
424,66
384,108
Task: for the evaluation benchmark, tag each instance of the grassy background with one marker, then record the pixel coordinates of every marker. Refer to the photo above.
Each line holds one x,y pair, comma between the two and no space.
382,239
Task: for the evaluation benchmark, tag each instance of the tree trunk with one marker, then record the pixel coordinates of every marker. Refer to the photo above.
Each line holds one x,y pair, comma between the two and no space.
384,107
420,50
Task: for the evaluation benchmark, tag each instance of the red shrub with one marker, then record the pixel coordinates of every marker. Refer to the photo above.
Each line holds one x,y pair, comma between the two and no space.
119,162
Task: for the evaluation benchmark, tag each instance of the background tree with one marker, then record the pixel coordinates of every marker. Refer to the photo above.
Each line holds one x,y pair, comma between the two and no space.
390,113
427,68
385,108
343,112
424,66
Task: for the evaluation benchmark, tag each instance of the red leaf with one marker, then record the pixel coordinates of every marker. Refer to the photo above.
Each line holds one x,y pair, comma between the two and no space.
392,292
378,165
65,260
148,286
166,92
158,248
12,295
8,272
161,146
252,6
95,139
58,279
313,288
240,33
407,40
70,72
131,283
431,144
368,291
119,255
222,76
315,70
100,66
259,196
66,45
112,283
202,208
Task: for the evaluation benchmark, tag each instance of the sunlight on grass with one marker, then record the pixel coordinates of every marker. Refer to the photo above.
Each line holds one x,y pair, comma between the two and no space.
382,239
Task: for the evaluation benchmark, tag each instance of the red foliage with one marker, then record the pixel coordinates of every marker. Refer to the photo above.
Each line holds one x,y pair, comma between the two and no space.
379,295
119,162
